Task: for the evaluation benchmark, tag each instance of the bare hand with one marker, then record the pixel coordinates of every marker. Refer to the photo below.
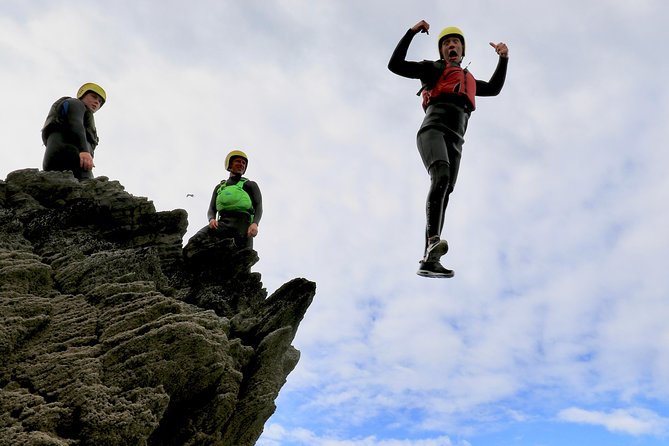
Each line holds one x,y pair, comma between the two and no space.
422,27
500,48
253,230
213,223
86,161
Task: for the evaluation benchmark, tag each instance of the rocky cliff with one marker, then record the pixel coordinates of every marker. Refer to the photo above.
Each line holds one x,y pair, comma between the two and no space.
112,334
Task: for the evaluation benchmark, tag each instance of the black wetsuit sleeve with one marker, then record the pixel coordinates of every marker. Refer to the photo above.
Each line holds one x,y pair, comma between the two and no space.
427,71
398,63
211,212
496,82
251,188
74,120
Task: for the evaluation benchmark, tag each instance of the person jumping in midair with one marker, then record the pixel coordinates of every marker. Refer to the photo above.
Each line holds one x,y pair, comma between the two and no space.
448,93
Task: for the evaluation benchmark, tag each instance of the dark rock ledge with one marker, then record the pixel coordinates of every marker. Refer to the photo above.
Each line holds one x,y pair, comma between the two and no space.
112,334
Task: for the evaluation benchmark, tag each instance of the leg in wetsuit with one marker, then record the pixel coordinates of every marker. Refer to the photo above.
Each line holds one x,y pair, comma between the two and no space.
439,141
61,154
233,226
437,200
443,175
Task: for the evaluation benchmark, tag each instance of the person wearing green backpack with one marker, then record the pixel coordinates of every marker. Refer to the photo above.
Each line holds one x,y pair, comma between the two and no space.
235,208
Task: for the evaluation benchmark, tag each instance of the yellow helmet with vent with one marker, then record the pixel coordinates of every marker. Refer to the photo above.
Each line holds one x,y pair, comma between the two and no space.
95,88
451,31
234,154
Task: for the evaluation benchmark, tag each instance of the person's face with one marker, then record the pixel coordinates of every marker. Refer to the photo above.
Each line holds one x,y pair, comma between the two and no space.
237,165
451,49
92,101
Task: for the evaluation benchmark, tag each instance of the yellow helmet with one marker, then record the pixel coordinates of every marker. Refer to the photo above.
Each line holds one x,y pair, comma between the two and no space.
95,88
451,31
234,154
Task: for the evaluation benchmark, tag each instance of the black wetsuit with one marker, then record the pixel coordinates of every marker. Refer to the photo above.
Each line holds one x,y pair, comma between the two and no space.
234,224
69,129
442,132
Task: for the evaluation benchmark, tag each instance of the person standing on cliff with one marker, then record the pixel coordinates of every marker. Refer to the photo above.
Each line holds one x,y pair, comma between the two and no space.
235,208
448,92
69,132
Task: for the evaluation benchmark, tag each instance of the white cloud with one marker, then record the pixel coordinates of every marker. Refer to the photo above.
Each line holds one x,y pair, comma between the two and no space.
634,421
276,435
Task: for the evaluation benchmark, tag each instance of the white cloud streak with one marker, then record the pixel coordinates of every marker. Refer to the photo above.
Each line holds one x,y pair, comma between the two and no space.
633,421
277,436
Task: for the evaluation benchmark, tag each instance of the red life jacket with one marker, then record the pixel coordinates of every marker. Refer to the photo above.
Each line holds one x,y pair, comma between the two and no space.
454,80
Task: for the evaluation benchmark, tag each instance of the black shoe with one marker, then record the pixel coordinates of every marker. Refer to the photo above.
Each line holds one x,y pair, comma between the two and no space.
434,269
435,251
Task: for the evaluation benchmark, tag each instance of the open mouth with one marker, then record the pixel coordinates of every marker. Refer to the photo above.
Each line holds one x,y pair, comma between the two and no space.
452,53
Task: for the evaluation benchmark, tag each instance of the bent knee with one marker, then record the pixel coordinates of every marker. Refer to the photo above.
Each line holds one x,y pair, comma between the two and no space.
440,173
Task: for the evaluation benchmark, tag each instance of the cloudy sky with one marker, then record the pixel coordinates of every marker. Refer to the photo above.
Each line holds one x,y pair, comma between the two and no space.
555,329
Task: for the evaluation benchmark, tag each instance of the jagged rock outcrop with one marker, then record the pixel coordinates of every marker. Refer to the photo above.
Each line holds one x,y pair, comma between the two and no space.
112,334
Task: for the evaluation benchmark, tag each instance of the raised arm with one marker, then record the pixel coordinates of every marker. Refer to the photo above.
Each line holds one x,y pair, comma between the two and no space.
496,82
398,63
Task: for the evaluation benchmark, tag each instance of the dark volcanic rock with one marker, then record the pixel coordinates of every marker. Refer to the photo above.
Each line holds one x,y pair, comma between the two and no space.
112,334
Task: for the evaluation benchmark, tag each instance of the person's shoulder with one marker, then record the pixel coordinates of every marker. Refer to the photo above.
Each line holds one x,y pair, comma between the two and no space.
72,102
433,64
248,181
60,101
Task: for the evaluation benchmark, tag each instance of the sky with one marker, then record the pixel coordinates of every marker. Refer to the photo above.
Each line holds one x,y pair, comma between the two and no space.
554,330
